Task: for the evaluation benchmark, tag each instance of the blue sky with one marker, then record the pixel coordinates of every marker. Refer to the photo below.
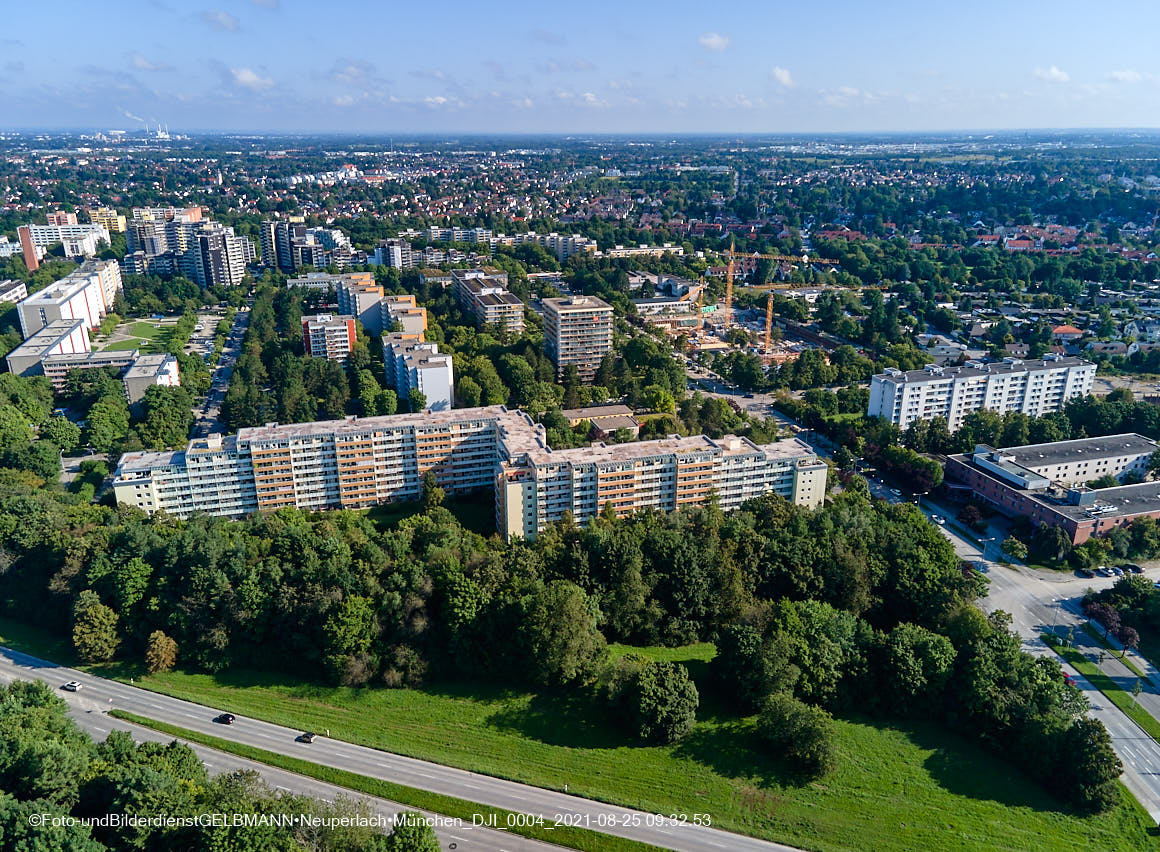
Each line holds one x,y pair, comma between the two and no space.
589,66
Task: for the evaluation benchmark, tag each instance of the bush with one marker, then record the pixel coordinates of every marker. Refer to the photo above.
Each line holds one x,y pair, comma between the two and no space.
799,733
655,701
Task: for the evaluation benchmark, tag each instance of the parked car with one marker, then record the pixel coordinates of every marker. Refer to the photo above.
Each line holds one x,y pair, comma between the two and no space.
1132,568
1117,571
71,686
307,737
224,719
1084,572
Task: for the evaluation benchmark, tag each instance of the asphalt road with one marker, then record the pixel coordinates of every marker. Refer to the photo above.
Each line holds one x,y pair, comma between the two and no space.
207,416
463,837
98,695
1043,601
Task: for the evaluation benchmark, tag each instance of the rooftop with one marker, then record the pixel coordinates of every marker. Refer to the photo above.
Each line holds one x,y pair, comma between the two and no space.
362,425
1036,456
975,369
566,304
47,338
148,366
595,411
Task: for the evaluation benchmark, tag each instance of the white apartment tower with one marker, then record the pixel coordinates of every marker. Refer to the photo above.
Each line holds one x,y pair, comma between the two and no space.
1033,387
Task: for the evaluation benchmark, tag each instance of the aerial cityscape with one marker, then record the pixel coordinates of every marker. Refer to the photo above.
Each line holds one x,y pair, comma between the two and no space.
627,434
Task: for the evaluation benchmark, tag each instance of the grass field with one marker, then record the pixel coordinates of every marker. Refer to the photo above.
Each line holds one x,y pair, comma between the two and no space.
124,345
1126,660
477,515
898,787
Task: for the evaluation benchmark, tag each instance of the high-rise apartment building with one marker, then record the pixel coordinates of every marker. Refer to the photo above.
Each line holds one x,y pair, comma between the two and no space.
328,336
359,296
292,245
108,218
484,294
60,217
577,332
412,364
356,463
1033,387
403,310
216,256
86,293
396,254
78,240
167,240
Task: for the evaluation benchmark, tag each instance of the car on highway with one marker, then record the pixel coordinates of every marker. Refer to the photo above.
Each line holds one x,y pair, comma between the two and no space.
71,686
895,492
307,737
225,719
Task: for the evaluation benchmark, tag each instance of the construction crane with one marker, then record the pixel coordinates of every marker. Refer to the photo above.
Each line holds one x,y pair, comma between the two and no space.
728,293
768,321
700,300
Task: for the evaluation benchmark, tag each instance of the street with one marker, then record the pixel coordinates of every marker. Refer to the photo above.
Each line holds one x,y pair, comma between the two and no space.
208,419
98,695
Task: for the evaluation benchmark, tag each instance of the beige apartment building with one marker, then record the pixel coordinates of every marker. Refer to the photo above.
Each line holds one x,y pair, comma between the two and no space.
360,462
484,294
577,332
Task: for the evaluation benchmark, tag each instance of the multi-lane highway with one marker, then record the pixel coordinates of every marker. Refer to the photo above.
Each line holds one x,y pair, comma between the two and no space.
98,695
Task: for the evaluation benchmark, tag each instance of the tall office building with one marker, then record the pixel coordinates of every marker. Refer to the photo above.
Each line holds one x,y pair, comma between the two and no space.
577,332
412,364
483,293
86,293
1034,388
356,463
328,336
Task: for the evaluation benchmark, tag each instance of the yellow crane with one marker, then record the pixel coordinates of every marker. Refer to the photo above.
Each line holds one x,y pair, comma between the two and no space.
728,293
700,301
768,321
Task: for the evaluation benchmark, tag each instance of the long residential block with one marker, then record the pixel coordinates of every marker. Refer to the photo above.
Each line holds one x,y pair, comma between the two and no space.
1034,388
360,462
86,293
1045,482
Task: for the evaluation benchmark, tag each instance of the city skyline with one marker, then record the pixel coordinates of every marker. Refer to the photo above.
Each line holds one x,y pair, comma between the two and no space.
279,66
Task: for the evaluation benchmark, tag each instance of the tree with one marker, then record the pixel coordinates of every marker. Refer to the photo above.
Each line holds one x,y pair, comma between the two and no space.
1014,548
416,399
799,733
1088,767
108,422
15,430
655,700
412,833
468,392
94,629
433,494
558,634
62,432
1129,638
917,665
160,653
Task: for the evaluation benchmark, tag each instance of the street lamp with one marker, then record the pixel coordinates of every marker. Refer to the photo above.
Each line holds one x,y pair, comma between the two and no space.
1054,614
985,542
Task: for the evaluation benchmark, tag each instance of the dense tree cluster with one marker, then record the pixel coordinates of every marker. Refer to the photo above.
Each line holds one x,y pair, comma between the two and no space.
49,766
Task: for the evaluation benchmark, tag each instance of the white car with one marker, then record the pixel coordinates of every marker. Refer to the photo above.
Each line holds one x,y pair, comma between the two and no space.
938,519
71,686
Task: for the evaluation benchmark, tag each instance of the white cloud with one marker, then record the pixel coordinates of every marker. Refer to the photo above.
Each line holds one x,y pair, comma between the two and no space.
218,20
783,77
142,63
247,78
714,41
1054,74
343,100
590,99
1125,76
437,100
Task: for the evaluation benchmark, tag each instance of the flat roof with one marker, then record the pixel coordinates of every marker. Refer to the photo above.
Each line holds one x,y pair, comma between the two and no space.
46,338
110,357
1060,452
361,425
564,304
999,368
593,411
148,366
1120,502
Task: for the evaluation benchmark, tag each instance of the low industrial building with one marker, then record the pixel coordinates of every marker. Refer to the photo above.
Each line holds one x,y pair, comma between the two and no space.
1045,483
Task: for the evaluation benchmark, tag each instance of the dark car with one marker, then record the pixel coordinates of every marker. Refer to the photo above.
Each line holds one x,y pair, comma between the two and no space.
1132,569
749,396
1084,572
224,719
307,737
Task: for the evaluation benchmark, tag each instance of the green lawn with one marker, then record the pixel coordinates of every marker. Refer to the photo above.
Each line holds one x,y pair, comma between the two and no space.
898,787
123,345
148,330
474,513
